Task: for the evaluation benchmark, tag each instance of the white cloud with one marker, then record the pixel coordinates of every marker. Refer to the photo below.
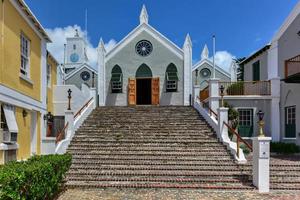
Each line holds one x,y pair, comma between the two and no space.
224,59
58,36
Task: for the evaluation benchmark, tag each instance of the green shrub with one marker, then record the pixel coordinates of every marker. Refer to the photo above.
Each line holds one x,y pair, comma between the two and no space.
246,150
236,89
37,178
284,148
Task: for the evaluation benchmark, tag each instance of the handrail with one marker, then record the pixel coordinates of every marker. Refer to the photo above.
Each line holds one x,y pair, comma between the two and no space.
80,110
260,88
61,134
239,138
209,109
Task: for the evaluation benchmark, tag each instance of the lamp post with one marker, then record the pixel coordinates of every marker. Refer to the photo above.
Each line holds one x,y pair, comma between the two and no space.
222,95
261,123
69,99
196,71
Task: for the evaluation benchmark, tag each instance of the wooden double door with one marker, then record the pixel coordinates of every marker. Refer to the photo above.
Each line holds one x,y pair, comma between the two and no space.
143,91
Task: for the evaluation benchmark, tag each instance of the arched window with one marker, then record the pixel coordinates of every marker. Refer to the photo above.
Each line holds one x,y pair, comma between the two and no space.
116,79
171,78
143,72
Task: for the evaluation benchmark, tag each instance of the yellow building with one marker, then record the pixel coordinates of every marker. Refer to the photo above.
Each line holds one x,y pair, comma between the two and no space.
25,87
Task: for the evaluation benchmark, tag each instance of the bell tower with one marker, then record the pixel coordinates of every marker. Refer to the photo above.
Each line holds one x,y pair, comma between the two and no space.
75,52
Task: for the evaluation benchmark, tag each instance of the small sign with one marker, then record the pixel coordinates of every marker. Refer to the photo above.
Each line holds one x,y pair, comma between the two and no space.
264,150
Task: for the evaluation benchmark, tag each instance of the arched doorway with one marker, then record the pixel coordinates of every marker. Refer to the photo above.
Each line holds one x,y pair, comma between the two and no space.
143,77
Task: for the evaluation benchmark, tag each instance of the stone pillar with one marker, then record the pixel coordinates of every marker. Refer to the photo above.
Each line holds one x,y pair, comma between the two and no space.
101,73
93,93
222,129
261,163
69,118
196,93
275,109
187,70
214,94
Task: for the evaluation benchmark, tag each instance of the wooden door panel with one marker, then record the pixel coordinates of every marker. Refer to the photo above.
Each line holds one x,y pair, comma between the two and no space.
131,91
155,91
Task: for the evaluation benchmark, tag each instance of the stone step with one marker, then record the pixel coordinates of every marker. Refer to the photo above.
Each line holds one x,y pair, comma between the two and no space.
145,145
156,159
147,153
136,136
153,168
160,179
96,184
154,162
147,149
171,173
121,140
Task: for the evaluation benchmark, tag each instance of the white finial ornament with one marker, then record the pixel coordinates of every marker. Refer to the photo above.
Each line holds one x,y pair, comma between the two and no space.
101,46
188,41
144,16
233,70
205,53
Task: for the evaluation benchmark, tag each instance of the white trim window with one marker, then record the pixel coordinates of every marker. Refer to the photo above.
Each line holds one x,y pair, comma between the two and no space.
25,56
49,75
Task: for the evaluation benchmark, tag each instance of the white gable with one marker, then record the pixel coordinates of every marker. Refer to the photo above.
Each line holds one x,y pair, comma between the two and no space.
79,68
207,61
288,21
154,33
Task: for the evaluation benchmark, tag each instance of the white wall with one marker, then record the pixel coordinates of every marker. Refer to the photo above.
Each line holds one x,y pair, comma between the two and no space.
60,98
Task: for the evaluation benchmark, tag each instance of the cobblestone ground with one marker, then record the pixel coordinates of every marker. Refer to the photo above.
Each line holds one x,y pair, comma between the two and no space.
170,194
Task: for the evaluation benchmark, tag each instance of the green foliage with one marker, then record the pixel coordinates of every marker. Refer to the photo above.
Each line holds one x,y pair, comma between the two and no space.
246,150
236,89
284,148
233,115
37,178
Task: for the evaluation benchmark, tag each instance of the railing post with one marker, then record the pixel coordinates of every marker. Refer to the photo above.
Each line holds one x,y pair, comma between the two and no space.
214,96
261,163
69,118
223,130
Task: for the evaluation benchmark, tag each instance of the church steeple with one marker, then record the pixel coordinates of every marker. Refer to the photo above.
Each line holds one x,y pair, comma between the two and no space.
144,16
205,53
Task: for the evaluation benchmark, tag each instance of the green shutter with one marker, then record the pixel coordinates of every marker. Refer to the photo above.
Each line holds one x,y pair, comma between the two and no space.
143,72
290,128
256,71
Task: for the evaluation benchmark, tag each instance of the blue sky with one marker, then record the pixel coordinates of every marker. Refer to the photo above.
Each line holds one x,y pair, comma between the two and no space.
241,26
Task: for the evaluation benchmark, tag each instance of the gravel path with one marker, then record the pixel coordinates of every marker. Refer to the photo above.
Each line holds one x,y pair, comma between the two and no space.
170,194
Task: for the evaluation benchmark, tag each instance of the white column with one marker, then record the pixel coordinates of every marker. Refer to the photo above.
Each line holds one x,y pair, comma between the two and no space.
273,60
214,94
261,163
93,93
187,58
69,118
101,73
223,130
275,109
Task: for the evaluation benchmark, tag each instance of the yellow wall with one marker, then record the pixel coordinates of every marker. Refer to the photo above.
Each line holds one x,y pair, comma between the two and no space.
53,82
13,25
24,124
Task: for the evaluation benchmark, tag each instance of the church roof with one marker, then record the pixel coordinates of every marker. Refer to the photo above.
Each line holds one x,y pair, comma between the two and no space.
209,62
85,65
144,26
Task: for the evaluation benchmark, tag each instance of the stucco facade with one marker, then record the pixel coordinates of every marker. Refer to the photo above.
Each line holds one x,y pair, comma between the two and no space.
23,97
157,61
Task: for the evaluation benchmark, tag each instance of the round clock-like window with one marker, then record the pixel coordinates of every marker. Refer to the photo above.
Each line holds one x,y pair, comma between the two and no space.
85,75
143,48
74,57
205,73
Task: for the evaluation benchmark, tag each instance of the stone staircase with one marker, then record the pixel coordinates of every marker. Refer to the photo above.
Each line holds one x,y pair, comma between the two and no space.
152,147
